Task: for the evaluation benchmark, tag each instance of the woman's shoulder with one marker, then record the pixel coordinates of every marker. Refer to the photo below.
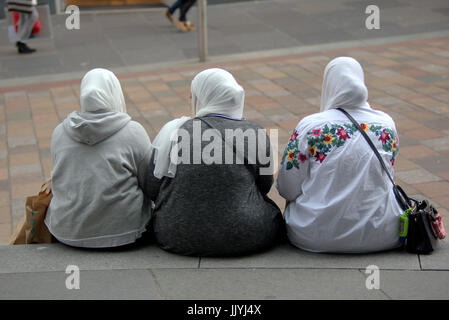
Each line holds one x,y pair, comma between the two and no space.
334,115
134,128
134,133
224,123
134,125
382,116
58,132
243,124
316,119
251,124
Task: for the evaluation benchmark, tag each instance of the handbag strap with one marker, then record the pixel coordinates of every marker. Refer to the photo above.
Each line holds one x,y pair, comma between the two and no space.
402,198
232,146
371,144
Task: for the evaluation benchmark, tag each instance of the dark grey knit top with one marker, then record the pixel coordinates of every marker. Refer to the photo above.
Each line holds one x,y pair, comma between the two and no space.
216,209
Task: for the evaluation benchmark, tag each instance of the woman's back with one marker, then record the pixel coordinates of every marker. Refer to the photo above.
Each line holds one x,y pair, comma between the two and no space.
100,163
216,209
96,189
342,199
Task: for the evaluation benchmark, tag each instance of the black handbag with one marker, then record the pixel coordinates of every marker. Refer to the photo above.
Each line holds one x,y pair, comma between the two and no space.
421,238
416,222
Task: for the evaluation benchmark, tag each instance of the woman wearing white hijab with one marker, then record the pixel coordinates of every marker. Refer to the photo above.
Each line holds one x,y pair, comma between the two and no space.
212,209
100,161
214,91
339,198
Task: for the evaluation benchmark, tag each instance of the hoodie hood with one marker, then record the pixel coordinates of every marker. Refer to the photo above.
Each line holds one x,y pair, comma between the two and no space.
93,127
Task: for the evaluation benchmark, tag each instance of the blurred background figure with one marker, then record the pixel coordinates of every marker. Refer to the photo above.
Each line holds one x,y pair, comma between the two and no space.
172,10
182,23
28,16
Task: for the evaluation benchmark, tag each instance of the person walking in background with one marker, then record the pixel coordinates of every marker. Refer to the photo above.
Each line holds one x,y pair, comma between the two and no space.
171,10
28,16
182,23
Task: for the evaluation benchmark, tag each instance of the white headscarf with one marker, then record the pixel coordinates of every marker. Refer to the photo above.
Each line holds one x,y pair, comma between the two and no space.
101,90
216,91
213,91
344,85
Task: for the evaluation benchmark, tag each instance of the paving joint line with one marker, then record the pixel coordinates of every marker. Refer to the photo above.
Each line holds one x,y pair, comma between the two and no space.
238,57
11,229
380,289
419,262
158,286
37,141
216,268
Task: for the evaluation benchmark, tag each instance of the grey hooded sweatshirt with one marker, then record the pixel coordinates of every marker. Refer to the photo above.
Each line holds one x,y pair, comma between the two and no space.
100,162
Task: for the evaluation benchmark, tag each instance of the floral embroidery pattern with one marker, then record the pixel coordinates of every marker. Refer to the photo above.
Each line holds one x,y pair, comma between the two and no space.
323,140
292,153
388,139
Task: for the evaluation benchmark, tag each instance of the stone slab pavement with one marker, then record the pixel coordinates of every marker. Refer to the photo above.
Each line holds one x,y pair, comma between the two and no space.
409,80
144,36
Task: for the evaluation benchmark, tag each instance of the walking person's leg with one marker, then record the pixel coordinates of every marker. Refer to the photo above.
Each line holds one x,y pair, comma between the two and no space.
184,8
174,6
172,9
24,29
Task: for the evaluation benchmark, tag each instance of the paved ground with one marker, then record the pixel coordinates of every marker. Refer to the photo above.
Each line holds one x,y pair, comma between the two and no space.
409,80
408,77
146,37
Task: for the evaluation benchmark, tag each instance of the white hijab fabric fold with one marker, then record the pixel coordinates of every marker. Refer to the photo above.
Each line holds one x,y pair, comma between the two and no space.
213,91
101,90
344,85
216,91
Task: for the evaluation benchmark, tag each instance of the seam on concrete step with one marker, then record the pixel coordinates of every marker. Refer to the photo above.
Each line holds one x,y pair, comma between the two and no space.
158,286
419,262
221,269
380,289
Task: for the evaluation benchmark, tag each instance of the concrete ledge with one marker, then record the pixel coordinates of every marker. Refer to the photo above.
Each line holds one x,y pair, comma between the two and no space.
147,272
439,260
56,257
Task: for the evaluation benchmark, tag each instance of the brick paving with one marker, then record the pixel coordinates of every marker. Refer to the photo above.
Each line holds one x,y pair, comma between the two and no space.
408,80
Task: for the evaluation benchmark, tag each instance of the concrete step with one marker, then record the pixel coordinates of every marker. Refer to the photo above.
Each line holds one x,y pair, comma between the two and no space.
284,272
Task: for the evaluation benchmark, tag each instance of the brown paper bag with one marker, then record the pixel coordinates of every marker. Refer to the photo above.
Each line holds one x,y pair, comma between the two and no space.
32,228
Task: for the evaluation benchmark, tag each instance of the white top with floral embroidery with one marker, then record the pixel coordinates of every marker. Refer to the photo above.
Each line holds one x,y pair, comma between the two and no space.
341,200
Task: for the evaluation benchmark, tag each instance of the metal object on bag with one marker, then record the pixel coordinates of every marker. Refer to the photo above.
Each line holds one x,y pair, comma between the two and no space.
403,225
